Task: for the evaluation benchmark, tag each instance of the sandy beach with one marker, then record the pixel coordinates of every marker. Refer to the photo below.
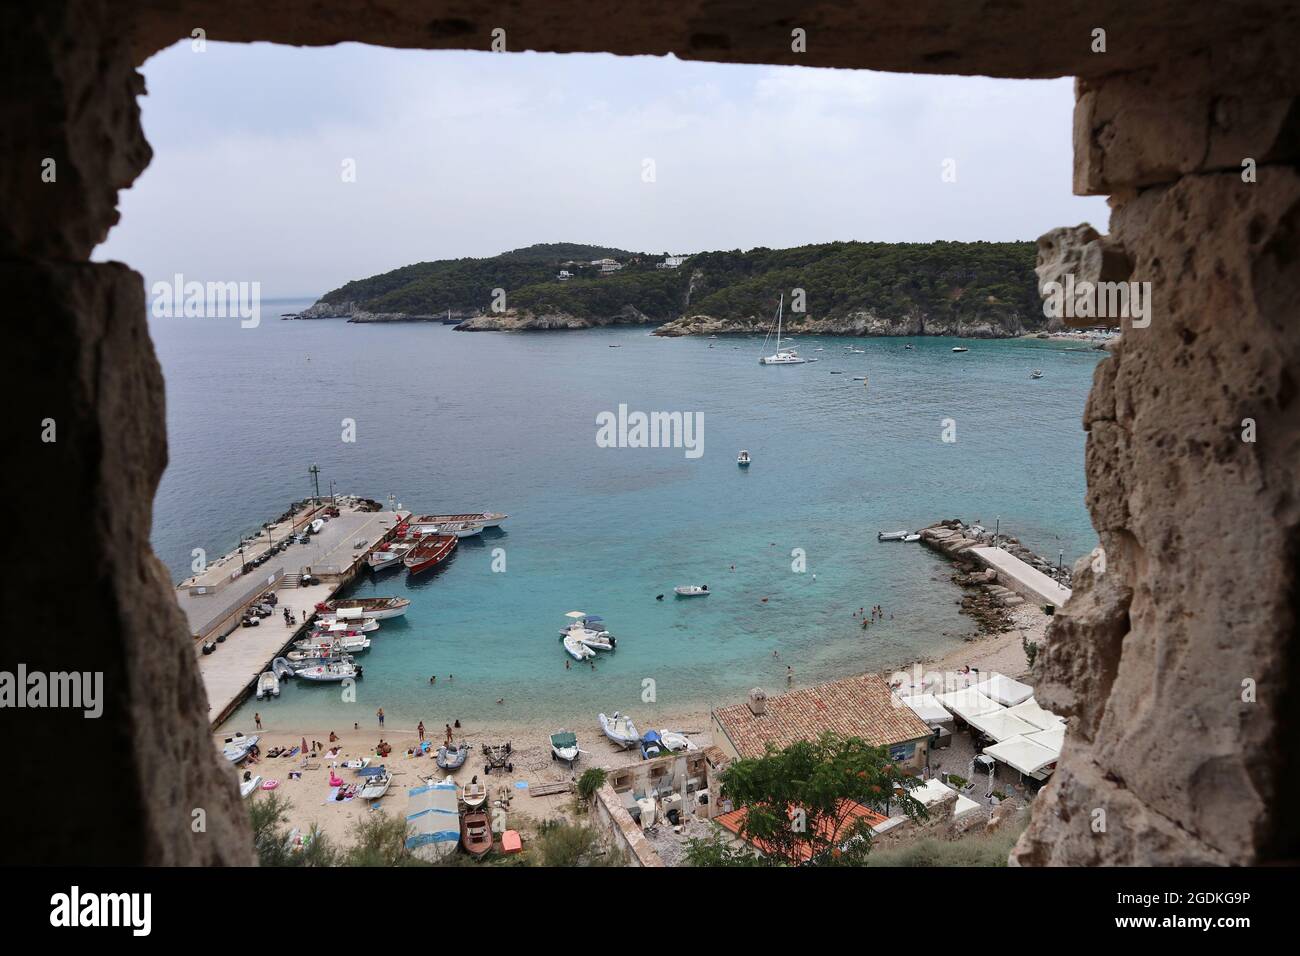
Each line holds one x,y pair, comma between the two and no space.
308,794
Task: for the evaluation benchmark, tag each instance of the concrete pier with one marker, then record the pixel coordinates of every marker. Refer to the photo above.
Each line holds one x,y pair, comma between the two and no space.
1030,583
214,601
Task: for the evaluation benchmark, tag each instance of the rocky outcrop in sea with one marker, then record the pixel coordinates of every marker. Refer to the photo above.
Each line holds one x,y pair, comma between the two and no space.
854,323
523,320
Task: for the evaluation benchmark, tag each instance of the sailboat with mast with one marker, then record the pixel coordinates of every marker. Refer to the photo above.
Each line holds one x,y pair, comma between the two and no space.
782,356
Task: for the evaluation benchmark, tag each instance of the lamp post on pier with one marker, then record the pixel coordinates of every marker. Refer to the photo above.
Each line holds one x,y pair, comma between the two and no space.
314,471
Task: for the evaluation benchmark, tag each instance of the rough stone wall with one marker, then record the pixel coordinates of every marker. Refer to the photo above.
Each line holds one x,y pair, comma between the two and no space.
1155,656
1199,528
84,588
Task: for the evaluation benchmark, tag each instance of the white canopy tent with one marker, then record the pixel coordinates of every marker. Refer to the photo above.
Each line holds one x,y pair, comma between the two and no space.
934,790
1004,690
928,708
1023,754
1030,711
1053,737
968,703
1001,725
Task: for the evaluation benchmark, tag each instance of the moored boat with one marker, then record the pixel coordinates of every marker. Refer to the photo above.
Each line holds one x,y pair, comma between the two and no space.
620,729
960,348
379,608
488,519
331,672
388,555
332,645
577,650
692,590
268,685
743,459
432,551
891,535
333,624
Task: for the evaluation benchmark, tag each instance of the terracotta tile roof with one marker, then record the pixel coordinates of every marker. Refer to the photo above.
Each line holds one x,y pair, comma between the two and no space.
734,820
858,706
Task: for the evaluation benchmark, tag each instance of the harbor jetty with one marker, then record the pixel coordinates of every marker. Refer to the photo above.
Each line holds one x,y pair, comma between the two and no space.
301,567
1008,573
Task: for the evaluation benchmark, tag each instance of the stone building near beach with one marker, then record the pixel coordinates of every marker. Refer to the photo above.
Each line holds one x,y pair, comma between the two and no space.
857,706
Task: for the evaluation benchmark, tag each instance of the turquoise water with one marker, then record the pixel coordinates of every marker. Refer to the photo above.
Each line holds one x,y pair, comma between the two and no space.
449,421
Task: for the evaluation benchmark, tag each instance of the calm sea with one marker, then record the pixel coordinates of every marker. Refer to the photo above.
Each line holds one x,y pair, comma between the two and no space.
449,421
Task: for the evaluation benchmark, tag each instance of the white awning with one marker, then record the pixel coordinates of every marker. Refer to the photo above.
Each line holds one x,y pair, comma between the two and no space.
968,703
1004,690
1053,738
1023,754
1040,718
934,790
1001,725
927,707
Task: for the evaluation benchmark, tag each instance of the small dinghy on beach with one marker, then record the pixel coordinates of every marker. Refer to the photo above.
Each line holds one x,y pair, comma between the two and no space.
375,782
474,794
620,729
451,758
675,741
237,746
475,834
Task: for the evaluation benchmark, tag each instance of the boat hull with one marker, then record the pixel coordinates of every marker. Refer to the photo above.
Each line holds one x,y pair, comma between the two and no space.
431,553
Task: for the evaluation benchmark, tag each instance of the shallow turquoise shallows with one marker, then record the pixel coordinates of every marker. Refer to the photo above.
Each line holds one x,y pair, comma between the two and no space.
448,421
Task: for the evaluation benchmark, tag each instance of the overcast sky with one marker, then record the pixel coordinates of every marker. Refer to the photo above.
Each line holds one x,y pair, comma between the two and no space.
471,154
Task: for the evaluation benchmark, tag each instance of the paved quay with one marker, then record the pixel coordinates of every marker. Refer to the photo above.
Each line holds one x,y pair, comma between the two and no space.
1030,583
214,601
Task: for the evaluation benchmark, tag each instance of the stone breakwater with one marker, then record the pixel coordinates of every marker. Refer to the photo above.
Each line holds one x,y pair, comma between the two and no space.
985,600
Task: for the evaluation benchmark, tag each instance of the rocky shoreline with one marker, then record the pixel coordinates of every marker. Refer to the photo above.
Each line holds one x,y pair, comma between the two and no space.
989,603
859,324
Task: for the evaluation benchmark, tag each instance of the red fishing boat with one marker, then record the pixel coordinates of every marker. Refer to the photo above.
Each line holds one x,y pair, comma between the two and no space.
432,551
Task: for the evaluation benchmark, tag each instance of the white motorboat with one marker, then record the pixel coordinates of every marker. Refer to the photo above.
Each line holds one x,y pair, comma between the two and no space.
891,535
596,640
462,529
333,645
268,685
1036,373
692,590
564,746
620,729
909,538
743,459
379,608
329,673
237,746
577,650
333,624
385,556
246,787
675,740
376,781
474,794
781,356
960,348
317,526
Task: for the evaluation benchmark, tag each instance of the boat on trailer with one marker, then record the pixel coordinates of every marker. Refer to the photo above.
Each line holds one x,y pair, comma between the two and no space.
432,551
379,608
620,729
564,746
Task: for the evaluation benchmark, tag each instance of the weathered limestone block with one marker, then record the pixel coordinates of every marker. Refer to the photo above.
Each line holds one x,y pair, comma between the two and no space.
89,496
1206,111
1201,530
